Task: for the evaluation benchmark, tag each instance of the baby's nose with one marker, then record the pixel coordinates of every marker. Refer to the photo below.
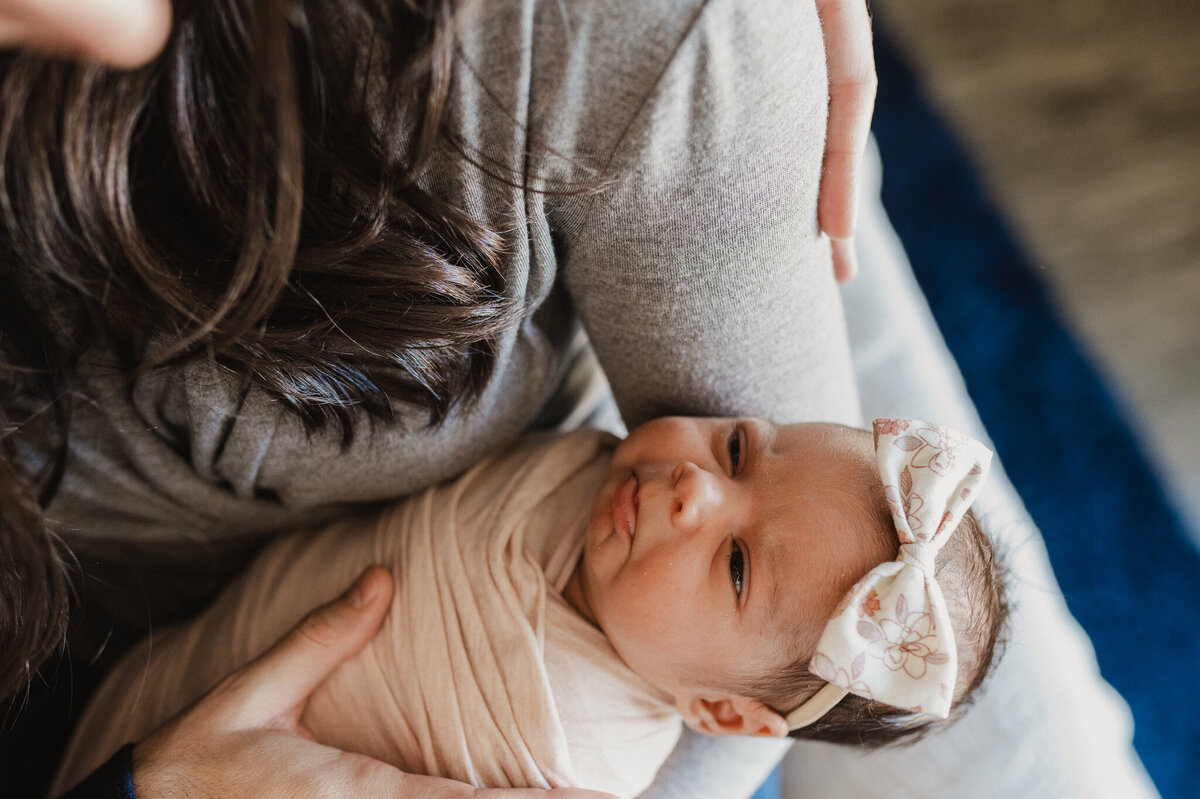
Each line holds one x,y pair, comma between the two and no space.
697,496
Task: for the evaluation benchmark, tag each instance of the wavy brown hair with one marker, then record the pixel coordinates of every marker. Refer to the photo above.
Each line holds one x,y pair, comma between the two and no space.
254,195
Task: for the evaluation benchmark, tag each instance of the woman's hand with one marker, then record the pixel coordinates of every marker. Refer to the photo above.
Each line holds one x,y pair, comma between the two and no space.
119,33
851,66
245,737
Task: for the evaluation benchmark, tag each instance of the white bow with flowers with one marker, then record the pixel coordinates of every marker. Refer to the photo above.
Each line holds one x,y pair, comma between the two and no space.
890,639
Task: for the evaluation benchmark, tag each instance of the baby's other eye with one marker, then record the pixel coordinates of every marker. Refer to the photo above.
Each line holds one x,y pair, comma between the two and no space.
736,565
735,451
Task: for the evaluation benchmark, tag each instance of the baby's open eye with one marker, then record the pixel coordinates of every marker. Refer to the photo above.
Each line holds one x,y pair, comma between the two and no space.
735,451
736,565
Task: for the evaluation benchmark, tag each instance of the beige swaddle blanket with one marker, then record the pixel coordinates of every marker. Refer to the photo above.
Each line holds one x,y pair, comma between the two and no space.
481,671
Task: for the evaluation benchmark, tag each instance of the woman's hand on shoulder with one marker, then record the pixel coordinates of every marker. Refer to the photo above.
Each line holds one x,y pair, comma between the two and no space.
118,33
245,738
850,60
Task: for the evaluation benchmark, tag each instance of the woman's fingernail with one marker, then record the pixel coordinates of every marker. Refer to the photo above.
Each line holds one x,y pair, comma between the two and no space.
362,591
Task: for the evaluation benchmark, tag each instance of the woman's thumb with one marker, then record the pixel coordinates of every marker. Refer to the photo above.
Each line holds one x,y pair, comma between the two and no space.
125,34
282,678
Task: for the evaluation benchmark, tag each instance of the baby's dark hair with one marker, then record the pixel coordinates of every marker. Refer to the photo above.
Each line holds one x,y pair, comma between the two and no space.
972,578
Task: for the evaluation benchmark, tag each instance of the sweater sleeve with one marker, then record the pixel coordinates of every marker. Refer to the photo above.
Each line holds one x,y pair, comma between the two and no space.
113,780
698,269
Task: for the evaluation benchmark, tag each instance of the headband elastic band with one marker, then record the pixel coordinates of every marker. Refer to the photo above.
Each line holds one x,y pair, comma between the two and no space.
816,706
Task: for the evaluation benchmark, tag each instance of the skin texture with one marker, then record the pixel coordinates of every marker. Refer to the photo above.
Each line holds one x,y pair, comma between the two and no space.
718,548
219,747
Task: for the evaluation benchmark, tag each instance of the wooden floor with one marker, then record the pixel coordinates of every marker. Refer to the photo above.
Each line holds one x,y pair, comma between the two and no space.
1084,117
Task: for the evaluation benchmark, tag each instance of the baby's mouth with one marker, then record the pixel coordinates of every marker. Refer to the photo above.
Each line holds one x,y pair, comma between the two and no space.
625,507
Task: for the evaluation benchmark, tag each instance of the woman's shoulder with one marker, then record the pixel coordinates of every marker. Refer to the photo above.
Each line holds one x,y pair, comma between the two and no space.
577,76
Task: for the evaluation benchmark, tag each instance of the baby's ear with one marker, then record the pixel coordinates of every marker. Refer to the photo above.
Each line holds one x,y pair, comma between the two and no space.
731,715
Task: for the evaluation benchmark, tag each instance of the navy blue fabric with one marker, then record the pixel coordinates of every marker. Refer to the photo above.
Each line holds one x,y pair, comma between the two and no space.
113,780
1128,569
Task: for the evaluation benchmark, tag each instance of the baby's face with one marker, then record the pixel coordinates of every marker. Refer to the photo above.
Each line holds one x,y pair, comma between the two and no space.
718,548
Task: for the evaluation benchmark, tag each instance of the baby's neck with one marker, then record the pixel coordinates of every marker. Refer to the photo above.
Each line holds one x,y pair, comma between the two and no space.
576,594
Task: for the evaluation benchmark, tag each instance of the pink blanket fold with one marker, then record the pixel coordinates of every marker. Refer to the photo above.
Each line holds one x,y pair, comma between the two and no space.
481,672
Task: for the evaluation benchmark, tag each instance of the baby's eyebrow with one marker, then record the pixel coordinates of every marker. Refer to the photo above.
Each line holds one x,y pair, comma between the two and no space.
768,562
765,433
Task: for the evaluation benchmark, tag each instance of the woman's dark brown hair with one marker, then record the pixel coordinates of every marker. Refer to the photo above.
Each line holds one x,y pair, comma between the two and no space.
254,195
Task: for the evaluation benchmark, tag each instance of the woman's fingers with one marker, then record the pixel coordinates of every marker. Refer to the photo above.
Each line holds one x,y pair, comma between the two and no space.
120,33
845,260
387,781
243,738
436,788
852,82
279,682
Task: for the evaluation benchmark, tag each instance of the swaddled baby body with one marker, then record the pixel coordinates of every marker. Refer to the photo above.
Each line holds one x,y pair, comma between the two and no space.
559,607
467,676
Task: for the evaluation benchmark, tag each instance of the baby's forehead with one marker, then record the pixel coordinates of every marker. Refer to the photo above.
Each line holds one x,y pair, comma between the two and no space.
824,441
829,464
829,524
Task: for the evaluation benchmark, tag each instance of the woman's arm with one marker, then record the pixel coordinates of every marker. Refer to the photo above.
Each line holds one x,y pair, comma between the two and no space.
699,269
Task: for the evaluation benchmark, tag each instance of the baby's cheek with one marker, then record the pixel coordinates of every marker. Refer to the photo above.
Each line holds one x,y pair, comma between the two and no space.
647,615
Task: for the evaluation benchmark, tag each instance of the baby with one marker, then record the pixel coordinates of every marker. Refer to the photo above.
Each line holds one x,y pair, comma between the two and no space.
720,549
561,606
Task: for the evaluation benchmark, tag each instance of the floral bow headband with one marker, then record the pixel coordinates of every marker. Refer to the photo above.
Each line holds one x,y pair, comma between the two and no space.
890,639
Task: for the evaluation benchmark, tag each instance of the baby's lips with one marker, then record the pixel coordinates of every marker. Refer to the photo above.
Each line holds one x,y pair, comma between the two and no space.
625,506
